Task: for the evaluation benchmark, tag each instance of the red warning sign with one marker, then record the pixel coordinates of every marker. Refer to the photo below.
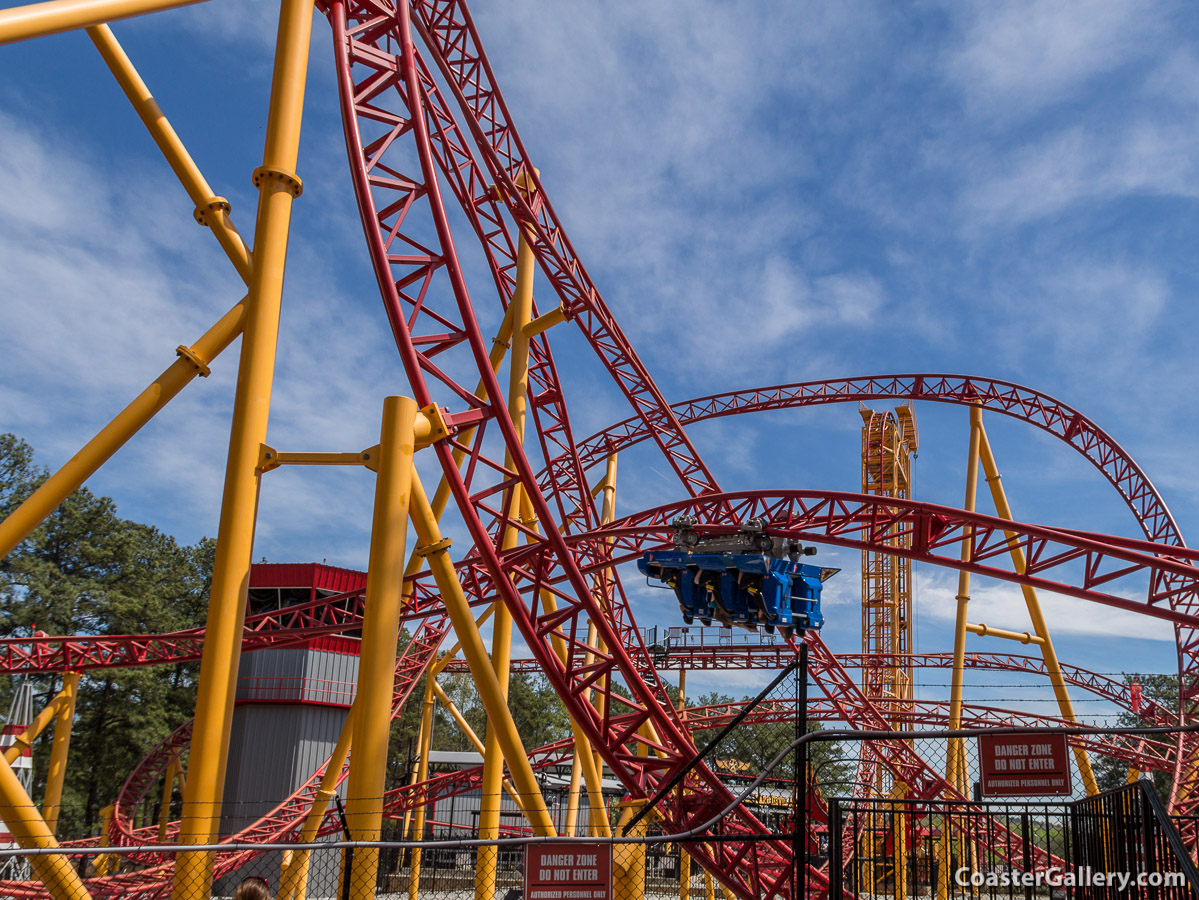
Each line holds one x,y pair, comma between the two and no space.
568,871
1024,765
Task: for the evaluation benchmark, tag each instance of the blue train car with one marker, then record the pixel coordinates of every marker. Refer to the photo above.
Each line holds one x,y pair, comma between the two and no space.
749,590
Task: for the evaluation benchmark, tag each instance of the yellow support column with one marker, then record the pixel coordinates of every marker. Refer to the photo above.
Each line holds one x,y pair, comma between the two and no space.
588,755
419,777
572,796
944,860
955,767
628,860
278,186
164,806
293,882
57,772
1048,653
106,863
899,824
684,857
498,715
490,799
380,637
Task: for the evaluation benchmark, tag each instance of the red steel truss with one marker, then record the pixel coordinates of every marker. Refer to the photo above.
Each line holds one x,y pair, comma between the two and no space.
412,152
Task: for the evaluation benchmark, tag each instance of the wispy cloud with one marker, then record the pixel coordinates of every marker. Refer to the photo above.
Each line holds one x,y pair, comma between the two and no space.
1015,58
1003,606
1080,165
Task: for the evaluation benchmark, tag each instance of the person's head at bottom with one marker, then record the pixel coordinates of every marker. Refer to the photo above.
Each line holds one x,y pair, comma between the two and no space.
253,888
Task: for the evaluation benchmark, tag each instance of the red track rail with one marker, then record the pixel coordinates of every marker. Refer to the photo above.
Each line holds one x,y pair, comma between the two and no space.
1017,401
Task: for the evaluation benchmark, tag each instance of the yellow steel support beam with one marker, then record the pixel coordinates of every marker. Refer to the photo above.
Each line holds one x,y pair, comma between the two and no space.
572,795
899,822
106,863
955,765
54,490
501,634
293,882
40,19
1052,665
420,776
210,210
545,322
56,773
380,636
984,630
24,740
420,768
278,186
628,860
607,516
590,763
464,727
944,861
174,770
29,829
429,534
684,856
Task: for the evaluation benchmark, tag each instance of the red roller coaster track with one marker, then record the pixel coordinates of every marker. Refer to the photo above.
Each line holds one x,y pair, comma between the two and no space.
411,149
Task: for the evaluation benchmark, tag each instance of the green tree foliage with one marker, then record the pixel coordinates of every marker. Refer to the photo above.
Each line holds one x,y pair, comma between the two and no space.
1113,773
756,744
85,570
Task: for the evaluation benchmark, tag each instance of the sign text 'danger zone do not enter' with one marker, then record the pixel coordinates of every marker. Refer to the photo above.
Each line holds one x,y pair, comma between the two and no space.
1024,765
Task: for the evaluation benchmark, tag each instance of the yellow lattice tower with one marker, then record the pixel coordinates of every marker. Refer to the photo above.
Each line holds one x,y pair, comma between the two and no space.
889,441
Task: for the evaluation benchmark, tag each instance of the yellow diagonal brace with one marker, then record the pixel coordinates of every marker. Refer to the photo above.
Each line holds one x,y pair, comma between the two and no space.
25,739
955,764
420,774
458,609
39,19
464,727
1065,707
56,772
55,489
26,824
293,883
211,210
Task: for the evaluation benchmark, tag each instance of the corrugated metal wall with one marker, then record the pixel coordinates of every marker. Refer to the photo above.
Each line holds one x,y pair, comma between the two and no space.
292,704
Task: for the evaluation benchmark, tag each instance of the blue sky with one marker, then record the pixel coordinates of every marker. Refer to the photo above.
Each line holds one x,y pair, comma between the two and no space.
763,193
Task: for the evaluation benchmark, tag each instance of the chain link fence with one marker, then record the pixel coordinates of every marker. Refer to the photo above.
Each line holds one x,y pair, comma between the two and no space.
866,814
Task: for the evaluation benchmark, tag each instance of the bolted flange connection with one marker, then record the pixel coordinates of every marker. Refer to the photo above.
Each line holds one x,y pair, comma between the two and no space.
194,358
210,206
290,180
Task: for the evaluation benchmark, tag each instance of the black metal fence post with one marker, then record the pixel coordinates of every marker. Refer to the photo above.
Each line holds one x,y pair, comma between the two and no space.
799,844
349,866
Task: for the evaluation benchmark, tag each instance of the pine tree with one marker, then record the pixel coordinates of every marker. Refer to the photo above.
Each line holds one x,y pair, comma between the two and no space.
86,571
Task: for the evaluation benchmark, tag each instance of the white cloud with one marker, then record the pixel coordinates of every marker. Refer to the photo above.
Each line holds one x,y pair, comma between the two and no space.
1002,606
1019,56
1078,165
104,275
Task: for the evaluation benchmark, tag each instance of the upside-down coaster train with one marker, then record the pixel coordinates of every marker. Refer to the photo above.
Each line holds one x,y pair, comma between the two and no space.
426,129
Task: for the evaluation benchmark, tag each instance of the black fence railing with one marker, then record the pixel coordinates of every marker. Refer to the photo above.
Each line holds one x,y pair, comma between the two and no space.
1118,844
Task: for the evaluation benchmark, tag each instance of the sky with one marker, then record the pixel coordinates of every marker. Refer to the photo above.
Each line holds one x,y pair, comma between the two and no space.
763,193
